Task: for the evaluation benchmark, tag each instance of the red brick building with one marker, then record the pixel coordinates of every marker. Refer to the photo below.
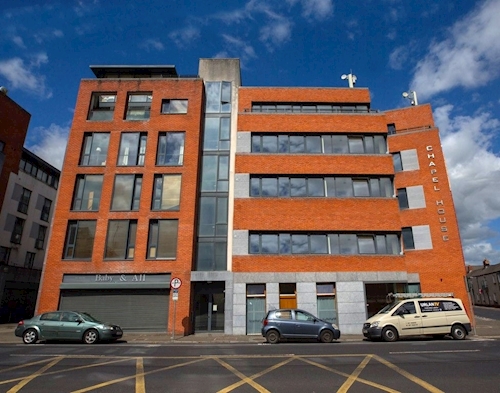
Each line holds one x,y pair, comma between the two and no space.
254,197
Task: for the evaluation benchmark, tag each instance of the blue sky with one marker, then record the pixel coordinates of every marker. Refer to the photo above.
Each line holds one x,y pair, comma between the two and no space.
446,51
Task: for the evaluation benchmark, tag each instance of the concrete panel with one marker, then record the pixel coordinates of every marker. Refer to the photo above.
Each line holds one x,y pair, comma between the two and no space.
244,142
242,185
213,70
306,278
409,159
416,197
325,277
422,237
240,242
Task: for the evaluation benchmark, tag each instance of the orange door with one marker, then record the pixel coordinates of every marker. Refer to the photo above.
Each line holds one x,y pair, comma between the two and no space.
288,301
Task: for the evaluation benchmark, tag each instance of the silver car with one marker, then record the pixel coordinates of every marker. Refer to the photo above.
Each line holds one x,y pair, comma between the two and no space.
66,325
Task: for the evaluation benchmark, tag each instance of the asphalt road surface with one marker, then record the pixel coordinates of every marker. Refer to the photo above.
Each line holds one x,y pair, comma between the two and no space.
420,365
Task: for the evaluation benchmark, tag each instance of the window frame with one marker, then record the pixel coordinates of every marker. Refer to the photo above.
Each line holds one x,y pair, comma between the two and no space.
166,106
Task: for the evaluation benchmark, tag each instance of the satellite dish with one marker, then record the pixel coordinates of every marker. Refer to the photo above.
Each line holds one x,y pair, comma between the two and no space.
405,94
344,76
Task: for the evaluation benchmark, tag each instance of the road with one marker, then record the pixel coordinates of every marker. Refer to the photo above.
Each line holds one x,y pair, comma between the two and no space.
420,365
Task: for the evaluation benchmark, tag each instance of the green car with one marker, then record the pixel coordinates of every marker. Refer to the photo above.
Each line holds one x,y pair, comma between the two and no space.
66,325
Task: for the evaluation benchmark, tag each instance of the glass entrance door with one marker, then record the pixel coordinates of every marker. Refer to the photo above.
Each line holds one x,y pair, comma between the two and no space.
209,307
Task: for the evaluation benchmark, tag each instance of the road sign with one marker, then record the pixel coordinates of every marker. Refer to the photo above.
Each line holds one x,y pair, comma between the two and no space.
175,283
175,296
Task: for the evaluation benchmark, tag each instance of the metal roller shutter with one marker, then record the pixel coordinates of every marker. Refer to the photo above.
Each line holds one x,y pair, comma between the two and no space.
132,309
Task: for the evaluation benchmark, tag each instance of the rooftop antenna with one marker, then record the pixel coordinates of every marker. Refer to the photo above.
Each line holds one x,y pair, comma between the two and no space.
351,78
412,96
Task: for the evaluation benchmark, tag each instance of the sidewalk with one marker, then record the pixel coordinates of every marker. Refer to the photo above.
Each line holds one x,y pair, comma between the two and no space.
484,329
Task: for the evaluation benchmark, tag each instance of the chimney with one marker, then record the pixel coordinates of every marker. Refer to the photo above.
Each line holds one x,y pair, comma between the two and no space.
486,263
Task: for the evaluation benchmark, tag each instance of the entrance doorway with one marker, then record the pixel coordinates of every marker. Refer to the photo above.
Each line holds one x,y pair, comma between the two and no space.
209,306
288,296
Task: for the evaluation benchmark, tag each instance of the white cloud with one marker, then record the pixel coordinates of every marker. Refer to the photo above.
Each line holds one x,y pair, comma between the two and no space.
237,48
468,58
19,41
22,76
317,9
474,173
152,44
398,57
185,36
276,33
51,144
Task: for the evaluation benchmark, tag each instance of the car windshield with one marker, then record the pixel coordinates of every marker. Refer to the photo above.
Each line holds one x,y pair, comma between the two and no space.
89,317
388,308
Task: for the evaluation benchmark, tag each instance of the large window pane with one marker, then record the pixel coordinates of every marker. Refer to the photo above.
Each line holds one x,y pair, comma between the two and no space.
313,144
87,192
361,188
348,244
269,143
95,149
285,243
300,244
213,97
403,198
356,145
211,137
79,240
170,148
366,244
270,187
126,192
167,239
120,239
408,238
209,174
207,216
318,244
343,187
315,187
297,144
284,186
269,244
298,187
339,144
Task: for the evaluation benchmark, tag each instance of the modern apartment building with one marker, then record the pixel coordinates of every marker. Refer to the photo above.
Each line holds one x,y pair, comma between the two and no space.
28,187
247,199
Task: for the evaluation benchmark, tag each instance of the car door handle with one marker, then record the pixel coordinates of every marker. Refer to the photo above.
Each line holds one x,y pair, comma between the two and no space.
424,316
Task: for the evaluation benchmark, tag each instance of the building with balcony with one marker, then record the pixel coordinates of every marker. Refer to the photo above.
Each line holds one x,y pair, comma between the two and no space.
28,192
251,198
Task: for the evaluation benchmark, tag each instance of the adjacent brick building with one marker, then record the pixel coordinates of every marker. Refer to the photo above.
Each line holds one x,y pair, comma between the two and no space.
253,197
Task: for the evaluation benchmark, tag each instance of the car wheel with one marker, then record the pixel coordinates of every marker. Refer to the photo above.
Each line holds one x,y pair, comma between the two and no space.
458,332
30,336
326,336
91,336
389,334
272,337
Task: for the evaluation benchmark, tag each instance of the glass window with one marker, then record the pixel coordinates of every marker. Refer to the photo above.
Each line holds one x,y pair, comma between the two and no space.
361,187
132,149
298,187
138,106
313,144
269,244
269,143
283,144
403,198
17,232
87,192
339,144
45,214
102,106
170,149
315,187
333,240
369,145
391,129
300,244
380,144
375,187
24,201
215,173
256,144
408,242
29,260
285,243
162,242
95,149
398,164
40,238
366,244
393,244
318,244
284,186
297,144
79,240
386,187
212,256
166,192
213,216
218,97
4,254
254,244
174,106
256,289
217,134
348,244
343,187
120,239
269,187
126,192
356,145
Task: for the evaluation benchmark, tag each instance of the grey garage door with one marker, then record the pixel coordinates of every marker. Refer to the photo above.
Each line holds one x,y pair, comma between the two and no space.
132,309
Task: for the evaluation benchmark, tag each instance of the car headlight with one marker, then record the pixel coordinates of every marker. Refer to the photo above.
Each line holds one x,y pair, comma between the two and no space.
374,324
335,326
104,327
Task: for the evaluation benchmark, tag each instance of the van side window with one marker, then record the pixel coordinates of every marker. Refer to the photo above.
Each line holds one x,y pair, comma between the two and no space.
406,308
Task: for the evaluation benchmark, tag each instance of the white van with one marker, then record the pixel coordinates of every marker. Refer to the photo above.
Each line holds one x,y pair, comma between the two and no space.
438,317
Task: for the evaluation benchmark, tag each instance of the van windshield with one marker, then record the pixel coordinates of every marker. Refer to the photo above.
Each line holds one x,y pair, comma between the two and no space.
388,308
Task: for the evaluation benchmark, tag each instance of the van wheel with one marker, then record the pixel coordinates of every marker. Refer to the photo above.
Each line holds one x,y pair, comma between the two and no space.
389,334
272,337
326,336
458,332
